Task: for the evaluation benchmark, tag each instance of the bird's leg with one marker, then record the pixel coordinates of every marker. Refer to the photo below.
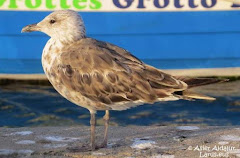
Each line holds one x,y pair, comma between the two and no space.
106,119
93,125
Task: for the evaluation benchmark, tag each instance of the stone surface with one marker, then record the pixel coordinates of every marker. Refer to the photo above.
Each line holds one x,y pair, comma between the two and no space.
131,141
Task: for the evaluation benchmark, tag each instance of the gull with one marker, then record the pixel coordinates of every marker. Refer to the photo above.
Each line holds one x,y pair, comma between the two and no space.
101,76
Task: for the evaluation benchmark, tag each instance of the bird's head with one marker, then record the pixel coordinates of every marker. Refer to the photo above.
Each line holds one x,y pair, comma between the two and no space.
64,25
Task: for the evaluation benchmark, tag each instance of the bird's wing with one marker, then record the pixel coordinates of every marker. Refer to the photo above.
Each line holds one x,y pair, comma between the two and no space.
112,76
117,51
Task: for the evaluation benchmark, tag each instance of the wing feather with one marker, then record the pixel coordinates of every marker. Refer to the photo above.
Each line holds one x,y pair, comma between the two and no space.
109,75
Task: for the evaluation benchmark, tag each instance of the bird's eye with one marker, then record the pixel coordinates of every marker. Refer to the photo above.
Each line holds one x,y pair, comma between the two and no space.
52,21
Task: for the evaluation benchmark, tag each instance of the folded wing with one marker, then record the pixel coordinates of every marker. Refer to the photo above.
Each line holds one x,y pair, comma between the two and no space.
109,75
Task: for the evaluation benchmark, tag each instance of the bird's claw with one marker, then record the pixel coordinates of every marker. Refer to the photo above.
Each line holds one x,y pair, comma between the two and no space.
103,145
81,148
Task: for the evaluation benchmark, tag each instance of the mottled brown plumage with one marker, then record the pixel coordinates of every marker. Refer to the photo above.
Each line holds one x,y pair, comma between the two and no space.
109,77
101,76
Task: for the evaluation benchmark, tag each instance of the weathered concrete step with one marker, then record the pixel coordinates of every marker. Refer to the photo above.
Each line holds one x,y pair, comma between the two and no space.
132,141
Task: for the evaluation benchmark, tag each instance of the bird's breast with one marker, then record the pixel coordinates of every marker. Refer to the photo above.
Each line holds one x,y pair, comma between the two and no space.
50,66
50,52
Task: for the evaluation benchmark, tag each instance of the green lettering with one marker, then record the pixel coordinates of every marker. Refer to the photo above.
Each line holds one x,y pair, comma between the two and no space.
95,4
1,2
76,4
31,6
13,4
64,4
49,4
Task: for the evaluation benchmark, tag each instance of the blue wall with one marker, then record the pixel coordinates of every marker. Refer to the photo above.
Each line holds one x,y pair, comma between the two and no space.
148,35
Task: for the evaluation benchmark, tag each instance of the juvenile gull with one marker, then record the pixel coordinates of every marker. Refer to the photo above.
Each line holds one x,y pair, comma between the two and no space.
101,76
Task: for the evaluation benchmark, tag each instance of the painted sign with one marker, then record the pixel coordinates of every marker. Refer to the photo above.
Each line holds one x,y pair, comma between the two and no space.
120,5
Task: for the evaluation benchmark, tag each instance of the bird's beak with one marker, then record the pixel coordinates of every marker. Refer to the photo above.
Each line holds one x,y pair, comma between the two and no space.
31,28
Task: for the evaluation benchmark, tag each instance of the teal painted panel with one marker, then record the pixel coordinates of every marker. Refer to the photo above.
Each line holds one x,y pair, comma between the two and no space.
134,22
173,46
33,66
148,35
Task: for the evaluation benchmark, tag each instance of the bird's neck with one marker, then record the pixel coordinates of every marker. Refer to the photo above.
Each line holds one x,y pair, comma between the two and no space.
69,36
65,40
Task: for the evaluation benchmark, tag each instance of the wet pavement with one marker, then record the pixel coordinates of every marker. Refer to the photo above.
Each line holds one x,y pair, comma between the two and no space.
29,105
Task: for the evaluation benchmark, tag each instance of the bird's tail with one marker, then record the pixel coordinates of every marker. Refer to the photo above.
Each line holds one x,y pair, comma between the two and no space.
190,95
195,82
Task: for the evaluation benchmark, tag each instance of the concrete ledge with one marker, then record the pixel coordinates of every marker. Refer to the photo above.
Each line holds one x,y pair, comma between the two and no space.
29,79
23,76
176,72
41,79
206,72
132,141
